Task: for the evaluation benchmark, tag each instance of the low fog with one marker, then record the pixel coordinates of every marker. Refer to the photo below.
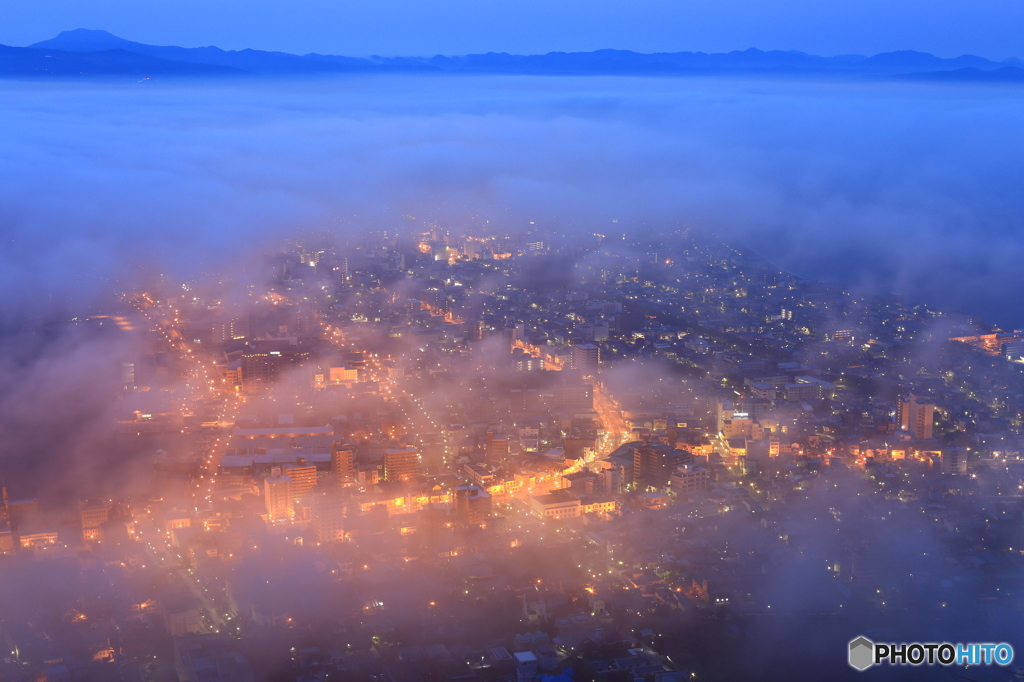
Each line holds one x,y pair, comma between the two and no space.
886,187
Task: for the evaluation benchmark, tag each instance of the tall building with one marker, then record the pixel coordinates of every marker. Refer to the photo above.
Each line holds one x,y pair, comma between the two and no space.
327,512
524,362
128,376
585,358
614,476
401,464
303,479
472,505
497,448
92,515
723,414
262,369
687,478
368,474
733,423
227,330
277,497
653,465
954,460
343,462
916,417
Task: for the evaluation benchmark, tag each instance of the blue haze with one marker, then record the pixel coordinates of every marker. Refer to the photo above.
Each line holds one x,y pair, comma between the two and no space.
887,187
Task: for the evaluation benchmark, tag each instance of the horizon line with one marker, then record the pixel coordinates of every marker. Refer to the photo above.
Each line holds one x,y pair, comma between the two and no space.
529,54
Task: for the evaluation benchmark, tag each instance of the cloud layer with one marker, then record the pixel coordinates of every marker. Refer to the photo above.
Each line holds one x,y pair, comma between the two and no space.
889,187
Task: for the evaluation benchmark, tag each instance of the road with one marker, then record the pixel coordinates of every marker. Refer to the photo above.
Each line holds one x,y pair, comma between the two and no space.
204,385
616,429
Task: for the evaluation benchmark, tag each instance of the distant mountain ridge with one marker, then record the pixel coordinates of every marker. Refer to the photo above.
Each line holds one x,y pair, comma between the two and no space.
28,62
84,52
253,61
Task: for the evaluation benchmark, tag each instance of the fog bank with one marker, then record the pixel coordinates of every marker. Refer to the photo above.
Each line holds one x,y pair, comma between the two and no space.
886,187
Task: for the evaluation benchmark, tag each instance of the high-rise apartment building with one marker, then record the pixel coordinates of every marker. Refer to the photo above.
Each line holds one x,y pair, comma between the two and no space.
277,497
343,462
303,477
916,417
401,464
586,357
327,512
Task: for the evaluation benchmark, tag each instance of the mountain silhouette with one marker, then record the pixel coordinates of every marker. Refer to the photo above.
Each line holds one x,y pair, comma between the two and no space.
254,61
23,62
86,40
83,52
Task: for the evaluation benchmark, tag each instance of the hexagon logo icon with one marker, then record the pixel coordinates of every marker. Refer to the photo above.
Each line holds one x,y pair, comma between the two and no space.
862,653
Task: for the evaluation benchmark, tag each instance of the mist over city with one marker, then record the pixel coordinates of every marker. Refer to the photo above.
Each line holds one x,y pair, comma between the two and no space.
593,366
